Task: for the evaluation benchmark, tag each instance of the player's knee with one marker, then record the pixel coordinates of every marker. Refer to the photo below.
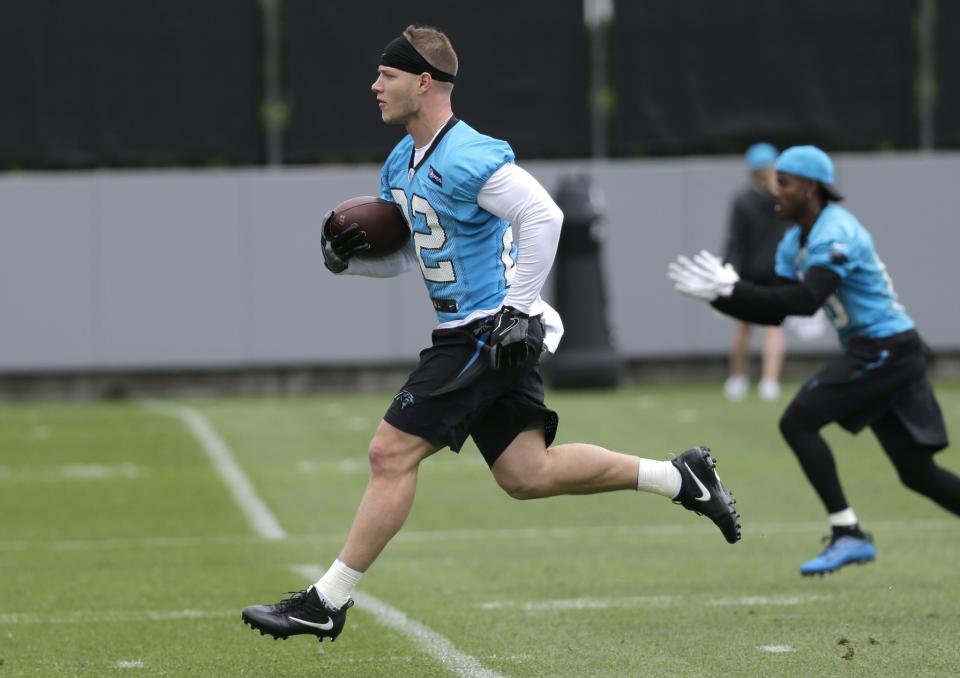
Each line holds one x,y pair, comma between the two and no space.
797,421
385,458
788,425
522,490
913,482
521,486
915,476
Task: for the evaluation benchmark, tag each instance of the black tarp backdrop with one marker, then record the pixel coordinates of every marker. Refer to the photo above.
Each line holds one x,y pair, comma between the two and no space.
946,125
698,77
523,74
177,82
115,82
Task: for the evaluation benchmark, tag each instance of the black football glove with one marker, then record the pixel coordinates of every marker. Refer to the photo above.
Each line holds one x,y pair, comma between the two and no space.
339,248
508,339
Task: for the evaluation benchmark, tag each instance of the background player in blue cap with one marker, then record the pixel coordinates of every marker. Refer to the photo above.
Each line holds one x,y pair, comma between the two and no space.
827,259
753,232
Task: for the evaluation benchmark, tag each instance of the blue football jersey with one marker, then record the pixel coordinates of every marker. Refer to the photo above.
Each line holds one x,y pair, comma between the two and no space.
865,304
467,255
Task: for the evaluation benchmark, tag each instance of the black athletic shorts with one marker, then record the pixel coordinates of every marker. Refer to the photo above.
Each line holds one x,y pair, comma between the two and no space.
874,377
454,392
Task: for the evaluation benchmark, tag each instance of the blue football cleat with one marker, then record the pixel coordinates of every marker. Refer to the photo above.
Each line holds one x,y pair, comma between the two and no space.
842,550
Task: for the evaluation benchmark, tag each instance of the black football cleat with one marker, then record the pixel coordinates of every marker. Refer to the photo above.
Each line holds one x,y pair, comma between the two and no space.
702,492
302,613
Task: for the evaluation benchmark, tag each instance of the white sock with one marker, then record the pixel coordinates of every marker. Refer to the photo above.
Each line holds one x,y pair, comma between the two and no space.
844,518
768,389
660,477
337,584
735,387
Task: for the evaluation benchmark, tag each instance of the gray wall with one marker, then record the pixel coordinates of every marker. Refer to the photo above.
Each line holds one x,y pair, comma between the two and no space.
187,269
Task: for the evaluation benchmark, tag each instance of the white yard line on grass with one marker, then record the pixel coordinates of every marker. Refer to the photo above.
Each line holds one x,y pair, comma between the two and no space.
73,472
689,527
129,664
756,530
245,496
584,603
433,643
437,646
651,602
776,601
95,616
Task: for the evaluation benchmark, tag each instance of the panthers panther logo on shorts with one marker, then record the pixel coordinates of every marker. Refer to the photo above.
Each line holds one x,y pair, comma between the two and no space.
404,398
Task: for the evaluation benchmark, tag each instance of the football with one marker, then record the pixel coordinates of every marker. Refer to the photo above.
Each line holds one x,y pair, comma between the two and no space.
381,220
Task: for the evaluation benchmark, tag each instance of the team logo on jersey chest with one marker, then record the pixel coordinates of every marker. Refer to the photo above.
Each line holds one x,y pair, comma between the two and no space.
435,176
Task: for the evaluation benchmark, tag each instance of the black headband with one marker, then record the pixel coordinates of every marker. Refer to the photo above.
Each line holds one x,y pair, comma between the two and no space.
400,54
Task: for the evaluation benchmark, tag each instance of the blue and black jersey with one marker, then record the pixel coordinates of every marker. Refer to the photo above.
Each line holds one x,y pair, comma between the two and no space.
864,304
467,255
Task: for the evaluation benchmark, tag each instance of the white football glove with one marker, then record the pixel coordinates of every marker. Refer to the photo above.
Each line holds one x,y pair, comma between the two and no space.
705,277
723,276
687,280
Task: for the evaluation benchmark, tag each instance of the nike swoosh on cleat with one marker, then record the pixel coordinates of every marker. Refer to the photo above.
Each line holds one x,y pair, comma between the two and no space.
326,626
704,492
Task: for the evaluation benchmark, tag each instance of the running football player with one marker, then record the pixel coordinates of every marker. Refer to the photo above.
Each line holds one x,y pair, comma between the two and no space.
827,259
460,192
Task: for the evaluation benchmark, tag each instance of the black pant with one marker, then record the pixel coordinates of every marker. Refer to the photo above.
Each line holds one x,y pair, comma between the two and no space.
880,383
914,464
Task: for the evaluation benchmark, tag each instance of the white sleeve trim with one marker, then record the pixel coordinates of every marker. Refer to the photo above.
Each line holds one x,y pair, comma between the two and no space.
513,194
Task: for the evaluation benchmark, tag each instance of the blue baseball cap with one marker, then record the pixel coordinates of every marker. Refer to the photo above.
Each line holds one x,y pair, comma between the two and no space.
809,162
760,155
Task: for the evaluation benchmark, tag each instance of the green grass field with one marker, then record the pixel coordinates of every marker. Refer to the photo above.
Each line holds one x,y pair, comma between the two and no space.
123,552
